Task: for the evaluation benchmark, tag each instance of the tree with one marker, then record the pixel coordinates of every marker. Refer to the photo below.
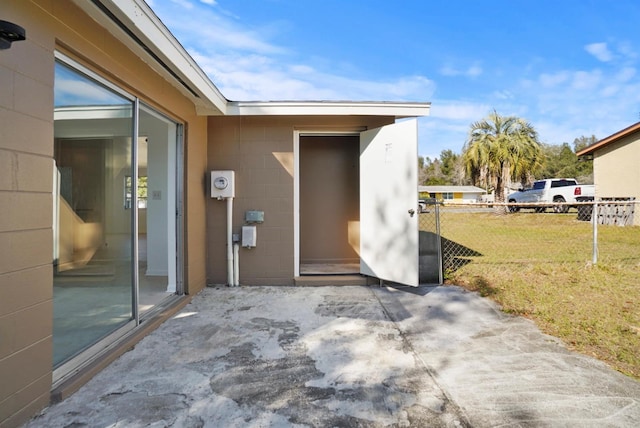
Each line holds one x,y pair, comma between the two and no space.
445,170
561,161
582,142
431,173
500,149
452,168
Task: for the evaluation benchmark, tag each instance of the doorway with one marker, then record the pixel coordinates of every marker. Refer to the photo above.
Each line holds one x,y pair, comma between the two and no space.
377,170
329,167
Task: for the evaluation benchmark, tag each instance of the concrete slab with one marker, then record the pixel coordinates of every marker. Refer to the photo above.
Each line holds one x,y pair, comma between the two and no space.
349,356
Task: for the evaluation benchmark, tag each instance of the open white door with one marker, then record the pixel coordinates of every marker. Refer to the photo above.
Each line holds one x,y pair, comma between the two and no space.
388,203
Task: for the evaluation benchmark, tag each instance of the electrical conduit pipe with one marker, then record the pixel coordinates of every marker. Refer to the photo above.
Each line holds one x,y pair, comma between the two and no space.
230,281
236,264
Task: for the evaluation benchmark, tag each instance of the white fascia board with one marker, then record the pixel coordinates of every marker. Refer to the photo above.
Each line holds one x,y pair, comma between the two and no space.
140,20
327,108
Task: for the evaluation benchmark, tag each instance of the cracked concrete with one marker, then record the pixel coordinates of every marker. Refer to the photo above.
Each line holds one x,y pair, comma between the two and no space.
348,357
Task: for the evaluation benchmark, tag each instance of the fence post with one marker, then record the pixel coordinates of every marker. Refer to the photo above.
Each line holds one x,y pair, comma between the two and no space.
594,219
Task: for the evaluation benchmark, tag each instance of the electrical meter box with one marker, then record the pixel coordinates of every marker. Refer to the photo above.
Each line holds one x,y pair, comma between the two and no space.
223,184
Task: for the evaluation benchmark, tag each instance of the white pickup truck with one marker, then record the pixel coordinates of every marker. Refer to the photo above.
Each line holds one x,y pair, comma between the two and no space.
559,193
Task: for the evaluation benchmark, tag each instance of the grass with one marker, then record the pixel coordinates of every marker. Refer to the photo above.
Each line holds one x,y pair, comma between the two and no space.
539,266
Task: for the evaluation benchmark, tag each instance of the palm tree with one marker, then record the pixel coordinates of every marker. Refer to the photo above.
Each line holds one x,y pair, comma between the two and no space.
500,149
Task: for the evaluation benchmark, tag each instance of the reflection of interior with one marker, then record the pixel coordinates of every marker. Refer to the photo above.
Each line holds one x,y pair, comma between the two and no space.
93,281
80,201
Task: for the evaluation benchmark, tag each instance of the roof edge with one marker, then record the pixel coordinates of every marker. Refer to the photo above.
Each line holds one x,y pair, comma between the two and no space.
610,139
452,187
310,108
134,23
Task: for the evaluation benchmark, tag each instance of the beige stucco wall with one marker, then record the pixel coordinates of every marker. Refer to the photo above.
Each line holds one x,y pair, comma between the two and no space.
26,168
616,173
261,152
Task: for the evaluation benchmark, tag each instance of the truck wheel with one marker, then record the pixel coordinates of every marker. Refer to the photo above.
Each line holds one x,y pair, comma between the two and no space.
560,208
513,208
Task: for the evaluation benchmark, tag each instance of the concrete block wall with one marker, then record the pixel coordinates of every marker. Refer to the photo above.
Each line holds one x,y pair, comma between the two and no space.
26,182
260,149
26,151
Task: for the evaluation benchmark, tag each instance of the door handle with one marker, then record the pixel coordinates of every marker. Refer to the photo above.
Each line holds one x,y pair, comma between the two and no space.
411,212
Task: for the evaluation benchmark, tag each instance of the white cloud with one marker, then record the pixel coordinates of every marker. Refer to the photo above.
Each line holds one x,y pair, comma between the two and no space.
592,102
586,80
301,69
437,135
247,63
600,51
609,91
455,110
550,80
626,50
625,74
259,77
473,71
503,95
210,30
183,3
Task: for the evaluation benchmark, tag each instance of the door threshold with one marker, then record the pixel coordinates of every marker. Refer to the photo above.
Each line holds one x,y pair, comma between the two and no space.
328,280
321,273
329,268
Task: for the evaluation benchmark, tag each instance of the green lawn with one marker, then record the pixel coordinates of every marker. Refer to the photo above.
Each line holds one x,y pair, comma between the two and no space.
539,266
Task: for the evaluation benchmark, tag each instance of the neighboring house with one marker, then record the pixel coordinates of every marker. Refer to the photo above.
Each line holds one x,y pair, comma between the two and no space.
108,133
615,166
457,194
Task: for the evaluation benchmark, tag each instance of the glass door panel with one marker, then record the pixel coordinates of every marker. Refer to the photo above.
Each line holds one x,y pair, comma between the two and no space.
93,281
156,208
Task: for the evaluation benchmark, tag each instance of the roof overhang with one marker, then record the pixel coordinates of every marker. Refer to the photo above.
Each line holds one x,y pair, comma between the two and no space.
452,188
610,139
135,24
328,108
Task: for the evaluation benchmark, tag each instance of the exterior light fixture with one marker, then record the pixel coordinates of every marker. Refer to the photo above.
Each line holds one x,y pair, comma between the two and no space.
9,33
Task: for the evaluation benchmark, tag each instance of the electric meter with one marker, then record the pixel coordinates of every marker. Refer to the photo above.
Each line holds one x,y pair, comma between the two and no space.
222,184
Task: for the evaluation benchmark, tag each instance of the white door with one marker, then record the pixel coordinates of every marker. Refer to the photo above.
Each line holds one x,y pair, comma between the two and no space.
388,203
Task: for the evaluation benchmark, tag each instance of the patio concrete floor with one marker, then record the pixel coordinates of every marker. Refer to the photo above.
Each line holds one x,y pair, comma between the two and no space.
349,356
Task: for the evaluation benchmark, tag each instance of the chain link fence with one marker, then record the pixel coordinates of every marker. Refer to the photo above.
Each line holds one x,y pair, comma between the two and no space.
508,234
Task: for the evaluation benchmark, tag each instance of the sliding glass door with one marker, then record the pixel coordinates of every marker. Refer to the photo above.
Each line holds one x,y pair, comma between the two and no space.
115,202
157,206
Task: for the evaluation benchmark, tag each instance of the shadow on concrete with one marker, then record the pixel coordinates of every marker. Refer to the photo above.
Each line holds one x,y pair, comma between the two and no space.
422,290
454,256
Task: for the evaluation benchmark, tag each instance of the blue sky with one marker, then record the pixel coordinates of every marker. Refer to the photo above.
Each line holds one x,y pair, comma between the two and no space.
569,67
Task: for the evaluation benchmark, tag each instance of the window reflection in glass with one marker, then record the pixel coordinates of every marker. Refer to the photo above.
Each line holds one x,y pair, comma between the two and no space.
92,229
